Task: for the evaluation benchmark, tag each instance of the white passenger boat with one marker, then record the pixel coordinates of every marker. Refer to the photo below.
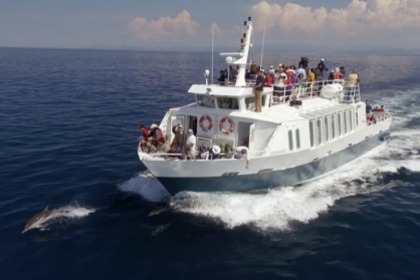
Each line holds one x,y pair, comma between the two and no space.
296,138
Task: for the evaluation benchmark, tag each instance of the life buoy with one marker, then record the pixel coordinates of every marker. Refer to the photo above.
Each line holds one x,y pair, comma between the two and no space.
226,125
206,123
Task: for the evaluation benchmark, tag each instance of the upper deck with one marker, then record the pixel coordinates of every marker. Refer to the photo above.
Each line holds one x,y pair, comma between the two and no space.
302,98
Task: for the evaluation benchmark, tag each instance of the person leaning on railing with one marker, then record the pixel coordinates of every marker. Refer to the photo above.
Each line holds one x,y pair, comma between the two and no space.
350,85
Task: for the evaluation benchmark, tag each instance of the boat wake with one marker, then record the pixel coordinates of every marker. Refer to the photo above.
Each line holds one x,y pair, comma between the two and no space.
279,209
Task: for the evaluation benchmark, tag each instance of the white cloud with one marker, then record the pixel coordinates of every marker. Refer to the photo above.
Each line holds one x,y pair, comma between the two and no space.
359,15
164,28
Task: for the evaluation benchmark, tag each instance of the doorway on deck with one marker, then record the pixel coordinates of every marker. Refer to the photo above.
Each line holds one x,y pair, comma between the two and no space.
192,123
243,133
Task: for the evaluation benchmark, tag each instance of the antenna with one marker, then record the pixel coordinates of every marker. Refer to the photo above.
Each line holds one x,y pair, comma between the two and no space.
240,58
212,53
262,48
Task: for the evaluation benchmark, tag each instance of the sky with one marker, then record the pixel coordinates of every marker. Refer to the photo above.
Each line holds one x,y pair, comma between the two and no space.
189,24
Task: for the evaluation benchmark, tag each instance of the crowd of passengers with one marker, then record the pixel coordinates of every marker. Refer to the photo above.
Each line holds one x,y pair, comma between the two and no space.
183,146
153,141
374,113
287,77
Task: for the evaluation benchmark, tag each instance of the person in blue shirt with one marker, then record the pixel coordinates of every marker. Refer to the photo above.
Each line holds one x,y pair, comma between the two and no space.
368,108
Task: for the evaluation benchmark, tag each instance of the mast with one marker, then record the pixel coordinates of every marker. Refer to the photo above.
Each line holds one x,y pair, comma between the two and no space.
231,58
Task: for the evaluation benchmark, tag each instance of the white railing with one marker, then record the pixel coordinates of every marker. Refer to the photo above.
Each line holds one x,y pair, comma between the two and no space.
304,90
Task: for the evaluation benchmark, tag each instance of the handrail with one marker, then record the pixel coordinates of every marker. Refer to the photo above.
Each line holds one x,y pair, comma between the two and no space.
313,89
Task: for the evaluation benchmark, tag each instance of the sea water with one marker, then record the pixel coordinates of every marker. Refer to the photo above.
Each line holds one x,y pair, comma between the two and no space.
69,134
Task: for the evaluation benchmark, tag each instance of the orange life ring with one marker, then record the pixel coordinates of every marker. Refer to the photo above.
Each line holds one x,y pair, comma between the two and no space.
206,123
226,125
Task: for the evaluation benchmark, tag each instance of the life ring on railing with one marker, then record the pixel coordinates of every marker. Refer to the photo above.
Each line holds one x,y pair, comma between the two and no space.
206,123
226,125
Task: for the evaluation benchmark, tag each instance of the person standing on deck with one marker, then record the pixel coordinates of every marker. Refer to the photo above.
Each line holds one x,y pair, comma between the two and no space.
191,142
258,91
321,66
180,141
351,85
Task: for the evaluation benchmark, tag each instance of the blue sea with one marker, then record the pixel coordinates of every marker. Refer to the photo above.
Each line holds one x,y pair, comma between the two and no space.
69,133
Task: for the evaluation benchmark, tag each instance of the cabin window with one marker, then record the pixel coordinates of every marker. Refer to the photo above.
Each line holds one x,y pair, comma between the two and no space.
205,101
340,127
311,133
290,140
227,103
345,122
326,130
333,126
319,131
357,117
350,115
297,139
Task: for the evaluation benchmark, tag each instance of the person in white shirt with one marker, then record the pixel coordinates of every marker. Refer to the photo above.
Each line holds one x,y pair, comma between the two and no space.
191,141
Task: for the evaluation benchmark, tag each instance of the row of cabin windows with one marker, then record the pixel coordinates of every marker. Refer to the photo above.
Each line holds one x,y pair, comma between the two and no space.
225,102
331,127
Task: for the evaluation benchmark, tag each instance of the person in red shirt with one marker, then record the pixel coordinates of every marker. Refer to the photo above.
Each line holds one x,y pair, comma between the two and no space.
144,131
337,74
269,80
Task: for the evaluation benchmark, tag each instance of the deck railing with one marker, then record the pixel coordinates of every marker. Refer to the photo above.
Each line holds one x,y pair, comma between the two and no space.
302,90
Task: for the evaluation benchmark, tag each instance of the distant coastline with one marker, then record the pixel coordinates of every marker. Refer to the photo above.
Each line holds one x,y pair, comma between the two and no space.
267,49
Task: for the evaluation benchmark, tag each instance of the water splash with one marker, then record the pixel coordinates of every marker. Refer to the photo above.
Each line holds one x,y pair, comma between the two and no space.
146,186
65,214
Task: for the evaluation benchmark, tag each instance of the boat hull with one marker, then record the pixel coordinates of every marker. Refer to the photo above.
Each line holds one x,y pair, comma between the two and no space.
286,177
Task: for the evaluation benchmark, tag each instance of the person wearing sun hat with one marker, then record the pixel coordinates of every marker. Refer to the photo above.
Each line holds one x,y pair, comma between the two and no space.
158,137
180,140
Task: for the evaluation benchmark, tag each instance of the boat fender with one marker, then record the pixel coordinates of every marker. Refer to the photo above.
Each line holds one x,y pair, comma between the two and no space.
206,123
226,125
216,149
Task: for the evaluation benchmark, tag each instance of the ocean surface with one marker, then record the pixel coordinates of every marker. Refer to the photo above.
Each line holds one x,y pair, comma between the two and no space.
68,139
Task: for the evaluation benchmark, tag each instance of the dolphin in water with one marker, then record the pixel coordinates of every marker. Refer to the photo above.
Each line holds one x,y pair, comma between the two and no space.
39,219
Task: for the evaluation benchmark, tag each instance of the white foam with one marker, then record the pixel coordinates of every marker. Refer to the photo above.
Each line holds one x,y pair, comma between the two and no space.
63,214
278,209
149,188
75,211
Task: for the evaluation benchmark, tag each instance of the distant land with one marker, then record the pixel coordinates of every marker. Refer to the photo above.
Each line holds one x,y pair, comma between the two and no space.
384,50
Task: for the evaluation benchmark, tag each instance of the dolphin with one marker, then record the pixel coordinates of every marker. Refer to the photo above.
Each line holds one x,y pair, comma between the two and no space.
39,219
